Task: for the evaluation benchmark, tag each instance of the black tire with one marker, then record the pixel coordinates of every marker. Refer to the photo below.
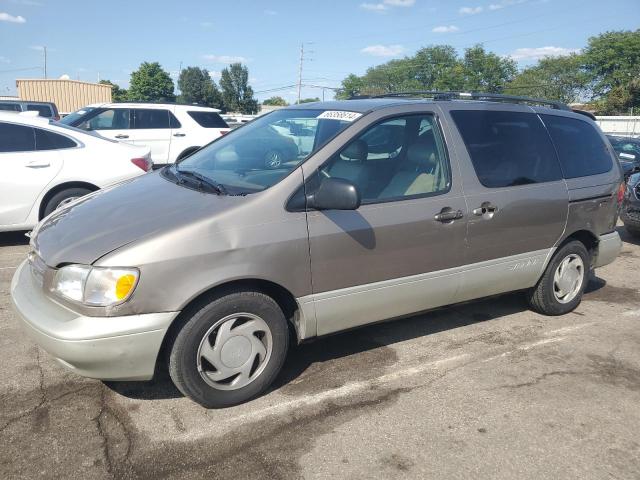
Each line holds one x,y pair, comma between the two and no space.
55,201
183,356
542,298
633,231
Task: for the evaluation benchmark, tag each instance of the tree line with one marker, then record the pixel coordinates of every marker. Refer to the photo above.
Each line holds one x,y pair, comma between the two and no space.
151,83
605,74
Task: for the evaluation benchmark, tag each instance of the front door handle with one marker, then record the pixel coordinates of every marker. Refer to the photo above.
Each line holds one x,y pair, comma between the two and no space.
121,135
179,134
38,164
486,210
447,214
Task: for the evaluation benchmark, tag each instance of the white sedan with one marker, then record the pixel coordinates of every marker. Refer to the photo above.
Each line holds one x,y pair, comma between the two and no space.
45,165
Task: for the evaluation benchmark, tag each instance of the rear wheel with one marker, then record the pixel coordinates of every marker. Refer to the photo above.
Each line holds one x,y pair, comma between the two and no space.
560,289
230,349
63,198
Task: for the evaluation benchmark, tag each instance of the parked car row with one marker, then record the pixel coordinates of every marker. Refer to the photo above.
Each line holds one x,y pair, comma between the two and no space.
401,205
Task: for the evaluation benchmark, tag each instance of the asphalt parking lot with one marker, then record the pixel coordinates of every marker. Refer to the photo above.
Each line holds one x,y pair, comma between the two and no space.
481,390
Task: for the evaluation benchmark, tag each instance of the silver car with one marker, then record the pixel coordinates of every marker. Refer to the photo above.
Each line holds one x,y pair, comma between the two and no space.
212,265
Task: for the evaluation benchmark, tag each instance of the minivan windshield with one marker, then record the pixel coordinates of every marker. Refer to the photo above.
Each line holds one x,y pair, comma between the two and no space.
261,153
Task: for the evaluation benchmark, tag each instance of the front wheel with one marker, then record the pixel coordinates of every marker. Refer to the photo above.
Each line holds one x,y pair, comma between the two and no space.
560,289
230,350
63,198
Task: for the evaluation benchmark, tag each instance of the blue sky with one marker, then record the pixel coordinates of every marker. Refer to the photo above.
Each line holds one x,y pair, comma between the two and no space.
88,39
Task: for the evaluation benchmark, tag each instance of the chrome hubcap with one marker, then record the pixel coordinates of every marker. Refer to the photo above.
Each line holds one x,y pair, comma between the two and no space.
66,201
234,351
568,278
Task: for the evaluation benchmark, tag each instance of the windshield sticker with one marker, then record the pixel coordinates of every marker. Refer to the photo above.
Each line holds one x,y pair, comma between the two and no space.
340,115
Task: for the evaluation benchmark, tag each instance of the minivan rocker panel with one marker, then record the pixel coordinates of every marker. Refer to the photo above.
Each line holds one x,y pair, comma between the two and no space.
218,272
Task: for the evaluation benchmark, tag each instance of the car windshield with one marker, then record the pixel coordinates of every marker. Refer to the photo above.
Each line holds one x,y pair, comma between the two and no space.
72,118
263,152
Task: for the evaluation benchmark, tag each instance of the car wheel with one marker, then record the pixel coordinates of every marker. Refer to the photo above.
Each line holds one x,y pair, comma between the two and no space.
63,198
230,349
273,159
633,231
560,289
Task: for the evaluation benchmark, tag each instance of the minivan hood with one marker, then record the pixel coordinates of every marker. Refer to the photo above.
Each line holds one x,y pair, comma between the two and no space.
114,217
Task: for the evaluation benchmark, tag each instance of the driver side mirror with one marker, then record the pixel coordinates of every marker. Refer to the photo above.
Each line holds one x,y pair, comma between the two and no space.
335,194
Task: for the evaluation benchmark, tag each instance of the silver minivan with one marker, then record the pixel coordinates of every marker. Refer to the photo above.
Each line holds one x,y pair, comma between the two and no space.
213,265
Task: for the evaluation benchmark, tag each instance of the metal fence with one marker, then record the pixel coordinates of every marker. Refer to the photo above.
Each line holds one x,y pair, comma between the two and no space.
625,126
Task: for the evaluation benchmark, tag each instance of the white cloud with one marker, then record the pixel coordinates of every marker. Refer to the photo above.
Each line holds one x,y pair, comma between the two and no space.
400,3
445,29
505,3
5,17
225,59
215,75
470,10
374,7
541,52
30,3
383,50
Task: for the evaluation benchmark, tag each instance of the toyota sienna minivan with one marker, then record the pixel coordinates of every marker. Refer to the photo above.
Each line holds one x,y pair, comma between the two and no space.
403,204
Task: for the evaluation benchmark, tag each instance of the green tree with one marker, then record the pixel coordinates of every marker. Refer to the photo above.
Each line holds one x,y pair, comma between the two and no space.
435,67
237,95
150,83
621,100
612,60
486,72
276,102
196,86
555,78
309,100
117,94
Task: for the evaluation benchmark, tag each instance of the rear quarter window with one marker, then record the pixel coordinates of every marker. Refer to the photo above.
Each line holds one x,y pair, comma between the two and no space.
581,150
507,148
46,140
208,119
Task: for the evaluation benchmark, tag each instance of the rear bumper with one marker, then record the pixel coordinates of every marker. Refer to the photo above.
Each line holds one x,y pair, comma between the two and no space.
609,247
108,348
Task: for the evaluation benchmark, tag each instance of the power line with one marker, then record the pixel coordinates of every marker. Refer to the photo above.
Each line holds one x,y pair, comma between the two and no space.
20,69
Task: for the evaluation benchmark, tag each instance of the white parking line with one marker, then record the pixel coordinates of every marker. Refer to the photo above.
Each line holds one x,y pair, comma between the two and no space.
346,390
8,268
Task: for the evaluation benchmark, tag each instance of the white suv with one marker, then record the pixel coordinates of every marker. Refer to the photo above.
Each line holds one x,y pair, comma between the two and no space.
172,131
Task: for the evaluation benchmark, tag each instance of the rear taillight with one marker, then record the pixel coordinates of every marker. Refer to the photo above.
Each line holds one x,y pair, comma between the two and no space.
621,190
223,132
142,163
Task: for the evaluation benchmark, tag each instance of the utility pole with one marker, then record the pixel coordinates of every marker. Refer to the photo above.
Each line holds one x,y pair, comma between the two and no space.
44,50
300,70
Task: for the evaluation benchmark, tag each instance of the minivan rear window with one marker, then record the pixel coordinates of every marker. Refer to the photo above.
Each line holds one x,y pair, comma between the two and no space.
580,148
507,148
208,119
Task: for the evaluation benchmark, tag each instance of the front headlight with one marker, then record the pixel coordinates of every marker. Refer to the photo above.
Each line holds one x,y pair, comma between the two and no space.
95,286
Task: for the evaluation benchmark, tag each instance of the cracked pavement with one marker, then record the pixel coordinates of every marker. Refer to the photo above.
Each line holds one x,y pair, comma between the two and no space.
486,389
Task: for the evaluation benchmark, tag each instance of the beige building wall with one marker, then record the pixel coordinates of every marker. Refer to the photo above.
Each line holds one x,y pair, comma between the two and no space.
68,95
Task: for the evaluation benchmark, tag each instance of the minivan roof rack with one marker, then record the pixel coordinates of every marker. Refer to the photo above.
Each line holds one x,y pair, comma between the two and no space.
491,97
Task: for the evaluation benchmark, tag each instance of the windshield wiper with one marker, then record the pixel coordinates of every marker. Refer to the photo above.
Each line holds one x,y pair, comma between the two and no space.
204,180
